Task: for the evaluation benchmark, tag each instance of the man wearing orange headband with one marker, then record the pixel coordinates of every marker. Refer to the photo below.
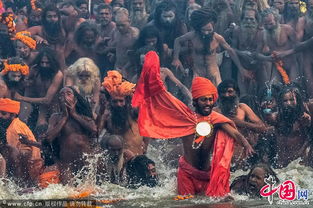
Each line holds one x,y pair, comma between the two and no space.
163,116
25,46
122,118
12,77
26,159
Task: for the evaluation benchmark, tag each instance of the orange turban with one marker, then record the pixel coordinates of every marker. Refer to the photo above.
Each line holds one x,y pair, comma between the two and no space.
203,87
10,106
116,86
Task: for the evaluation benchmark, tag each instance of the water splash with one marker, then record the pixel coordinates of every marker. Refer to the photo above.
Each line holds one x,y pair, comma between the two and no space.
161,196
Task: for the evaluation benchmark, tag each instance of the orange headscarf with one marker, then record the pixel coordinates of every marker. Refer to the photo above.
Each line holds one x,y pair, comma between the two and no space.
10,106
24,37
115,85
203,87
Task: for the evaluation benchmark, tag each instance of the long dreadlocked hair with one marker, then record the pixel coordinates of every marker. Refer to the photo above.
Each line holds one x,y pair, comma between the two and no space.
82,106
201,17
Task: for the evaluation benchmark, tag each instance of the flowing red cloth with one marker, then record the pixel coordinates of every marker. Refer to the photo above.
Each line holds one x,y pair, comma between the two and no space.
163,116
191,180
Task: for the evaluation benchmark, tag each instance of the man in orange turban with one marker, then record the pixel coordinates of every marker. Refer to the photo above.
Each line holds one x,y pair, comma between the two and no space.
163,116
27,158
121,118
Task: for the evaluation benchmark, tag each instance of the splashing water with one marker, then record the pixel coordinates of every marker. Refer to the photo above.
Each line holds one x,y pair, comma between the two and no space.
161,196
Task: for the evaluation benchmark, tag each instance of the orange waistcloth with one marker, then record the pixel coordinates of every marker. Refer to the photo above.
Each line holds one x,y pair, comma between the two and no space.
191,180
163,116
35,164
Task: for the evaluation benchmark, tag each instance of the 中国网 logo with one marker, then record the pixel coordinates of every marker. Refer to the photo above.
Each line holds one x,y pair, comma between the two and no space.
288,192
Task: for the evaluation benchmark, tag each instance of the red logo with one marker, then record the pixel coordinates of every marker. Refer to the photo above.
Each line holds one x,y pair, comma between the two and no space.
286,191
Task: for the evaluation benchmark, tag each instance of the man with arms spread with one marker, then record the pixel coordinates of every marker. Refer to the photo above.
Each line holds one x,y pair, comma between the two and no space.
204,43
163,116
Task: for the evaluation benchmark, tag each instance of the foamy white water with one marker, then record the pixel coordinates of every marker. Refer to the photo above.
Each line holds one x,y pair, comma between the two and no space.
161,196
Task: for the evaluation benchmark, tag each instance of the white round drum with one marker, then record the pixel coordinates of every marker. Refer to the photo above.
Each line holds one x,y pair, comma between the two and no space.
204,128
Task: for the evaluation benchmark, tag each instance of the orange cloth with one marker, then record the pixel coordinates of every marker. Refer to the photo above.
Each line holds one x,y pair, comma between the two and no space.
203,87
51,177
161,115
115,85
9,105
35,163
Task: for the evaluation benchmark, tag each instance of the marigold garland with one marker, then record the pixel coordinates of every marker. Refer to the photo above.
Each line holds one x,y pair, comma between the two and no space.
33,5
24,37
181,197
24,69
281,70
8,20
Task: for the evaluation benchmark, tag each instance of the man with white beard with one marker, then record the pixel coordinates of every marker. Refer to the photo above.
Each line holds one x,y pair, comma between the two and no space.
138,14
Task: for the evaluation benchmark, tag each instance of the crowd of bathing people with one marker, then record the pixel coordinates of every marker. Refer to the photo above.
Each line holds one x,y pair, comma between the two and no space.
110,77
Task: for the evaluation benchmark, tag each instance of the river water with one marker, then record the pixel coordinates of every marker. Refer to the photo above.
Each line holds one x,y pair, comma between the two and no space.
161,196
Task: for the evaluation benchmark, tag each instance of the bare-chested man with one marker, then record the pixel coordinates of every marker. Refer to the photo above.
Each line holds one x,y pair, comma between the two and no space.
292,16
51,32
244,41
277,37
123,40
104,20
138,14
122,118
83,43
248,123
71,129
158,110
12,79
204,43
46,79
293,126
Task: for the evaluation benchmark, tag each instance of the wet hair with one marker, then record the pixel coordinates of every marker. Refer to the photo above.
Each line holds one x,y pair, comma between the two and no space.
52,57
83,27
269,11
104,6
150,31
300,104
165,5
82,106
229,83
201,17
137,171
50,8
268,171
